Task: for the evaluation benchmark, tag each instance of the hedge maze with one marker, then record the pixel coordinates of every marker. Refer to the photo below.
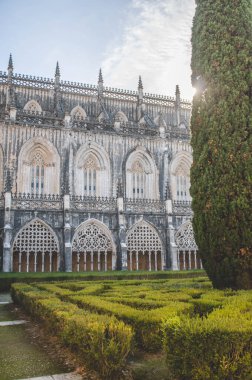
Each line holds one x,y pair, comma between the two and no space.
205,333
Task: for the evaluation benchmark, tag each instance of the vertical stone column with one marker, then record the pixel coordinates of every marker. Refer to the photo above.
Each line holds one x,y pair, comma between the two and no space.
8,231
67,235
170,236
122,233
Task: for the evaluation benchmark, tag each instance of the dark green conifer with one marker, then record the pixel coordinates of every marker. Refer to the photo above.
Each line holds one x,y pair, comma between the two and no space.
221,174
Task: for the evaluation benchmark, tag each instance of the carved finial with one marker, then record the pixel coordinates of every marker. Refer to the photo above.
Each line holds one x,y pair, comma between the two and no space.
100,78
140,84
119,191
10,64
177,90
8,182
57,71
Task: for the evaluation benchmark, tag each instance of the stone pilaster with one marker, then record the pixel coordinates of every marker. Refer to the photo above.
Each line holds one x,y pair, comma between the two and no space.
8,232
67,235
122,233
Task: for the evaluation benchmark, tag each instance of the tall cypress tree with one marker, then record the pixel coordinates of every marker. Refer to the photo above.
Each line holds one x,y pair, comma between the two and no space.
221,174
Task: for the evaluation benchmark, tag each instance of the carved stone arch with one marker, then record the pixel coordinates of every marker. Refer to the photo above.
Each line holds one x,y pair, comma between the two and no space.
93,247
121,117
184,237
92,171
35,248
33,106
78,113
1,170
141,175
145,247
38,153
188,257
180,176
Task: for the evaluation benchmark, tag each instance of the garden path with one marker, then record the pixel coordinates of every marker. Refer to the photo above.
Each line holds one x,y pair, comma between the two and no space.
19,357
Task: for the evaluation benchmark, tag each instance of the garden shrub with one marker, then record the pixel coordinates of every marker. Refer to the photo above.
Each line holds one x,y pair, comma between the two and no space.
214,348
103,341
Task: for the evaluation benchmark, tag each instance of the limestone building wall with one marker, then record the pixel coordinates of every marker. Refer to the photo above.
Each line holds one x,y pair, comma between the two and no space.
92,178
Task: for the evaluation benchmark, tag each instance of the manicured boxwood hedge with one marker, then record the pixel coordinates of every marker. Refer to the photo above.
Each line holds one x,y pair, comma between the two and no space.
205,333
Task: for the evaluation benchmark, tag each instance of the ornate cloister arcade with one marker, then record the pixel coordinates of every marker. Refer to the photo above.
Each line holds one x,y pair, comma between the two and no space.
93,248
144,248
187,254
35,248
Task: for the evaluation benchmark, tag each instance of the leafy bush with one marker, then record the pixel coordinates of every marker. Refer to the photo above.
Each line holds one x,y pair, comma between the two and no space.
216,347
103,341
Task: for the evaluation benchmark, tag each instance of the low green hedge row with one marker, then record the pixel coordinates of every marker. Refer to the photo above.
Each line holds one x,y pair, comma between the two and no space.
7,279
216,347
147,325
103,341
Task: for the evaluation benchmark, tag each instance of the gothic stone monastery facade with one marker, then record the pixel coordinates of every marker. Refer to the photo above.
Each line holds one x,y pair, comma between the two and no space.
93,178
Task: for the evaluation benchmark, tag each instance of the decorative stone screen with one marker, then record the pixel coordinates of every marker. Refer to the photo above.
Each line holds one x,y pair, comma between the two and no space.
35,249
188,257
91,249
144,248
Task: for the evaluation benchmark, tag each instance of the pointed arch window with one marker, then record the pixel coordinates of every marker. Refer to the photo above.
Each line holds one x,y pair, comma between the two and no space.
138,180
182,184
37,174
141,176
90,169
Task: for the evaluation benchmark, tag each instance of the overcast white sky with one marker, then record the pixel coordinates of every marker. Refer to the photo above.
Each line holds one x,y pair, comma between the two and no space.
126,38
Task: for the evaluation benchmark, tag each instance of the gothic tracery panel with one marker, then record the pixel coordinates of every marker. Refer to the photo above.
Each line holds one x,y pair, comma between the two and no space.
35,249
78,113
184,237
92,172
38,168
141,176
144,248
180,177
92,248
33,107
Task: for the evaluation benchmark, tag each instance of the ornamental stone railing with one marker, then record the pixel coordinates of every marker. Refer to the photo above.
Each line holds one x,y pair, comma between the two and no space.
89,203
144,205
182,208
38,118
26,201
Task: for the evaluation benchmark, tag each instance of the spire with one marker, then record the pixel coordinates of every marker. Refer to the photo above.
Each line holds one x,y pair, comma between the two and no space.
177,104
100,85
140,84
100,79
10,65
140,105
177,90
57,71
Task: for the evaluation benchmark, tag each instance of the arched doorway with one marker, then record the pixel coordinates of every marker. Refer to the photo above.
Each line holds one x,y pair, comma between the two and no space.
187,254
93,248
144,248
36,248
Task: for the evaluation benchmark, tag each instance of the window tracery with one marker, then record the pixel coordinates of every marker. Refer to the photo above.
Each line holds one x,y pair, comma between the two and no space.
78,113
33,107
187,254
35,249
37,174
92,175
141,176
38,168
92,248
143,240
183,183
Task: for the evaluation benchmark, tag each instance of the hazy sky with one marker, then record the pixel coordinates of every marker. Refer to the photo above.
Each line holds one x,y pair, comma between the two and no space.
126,38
